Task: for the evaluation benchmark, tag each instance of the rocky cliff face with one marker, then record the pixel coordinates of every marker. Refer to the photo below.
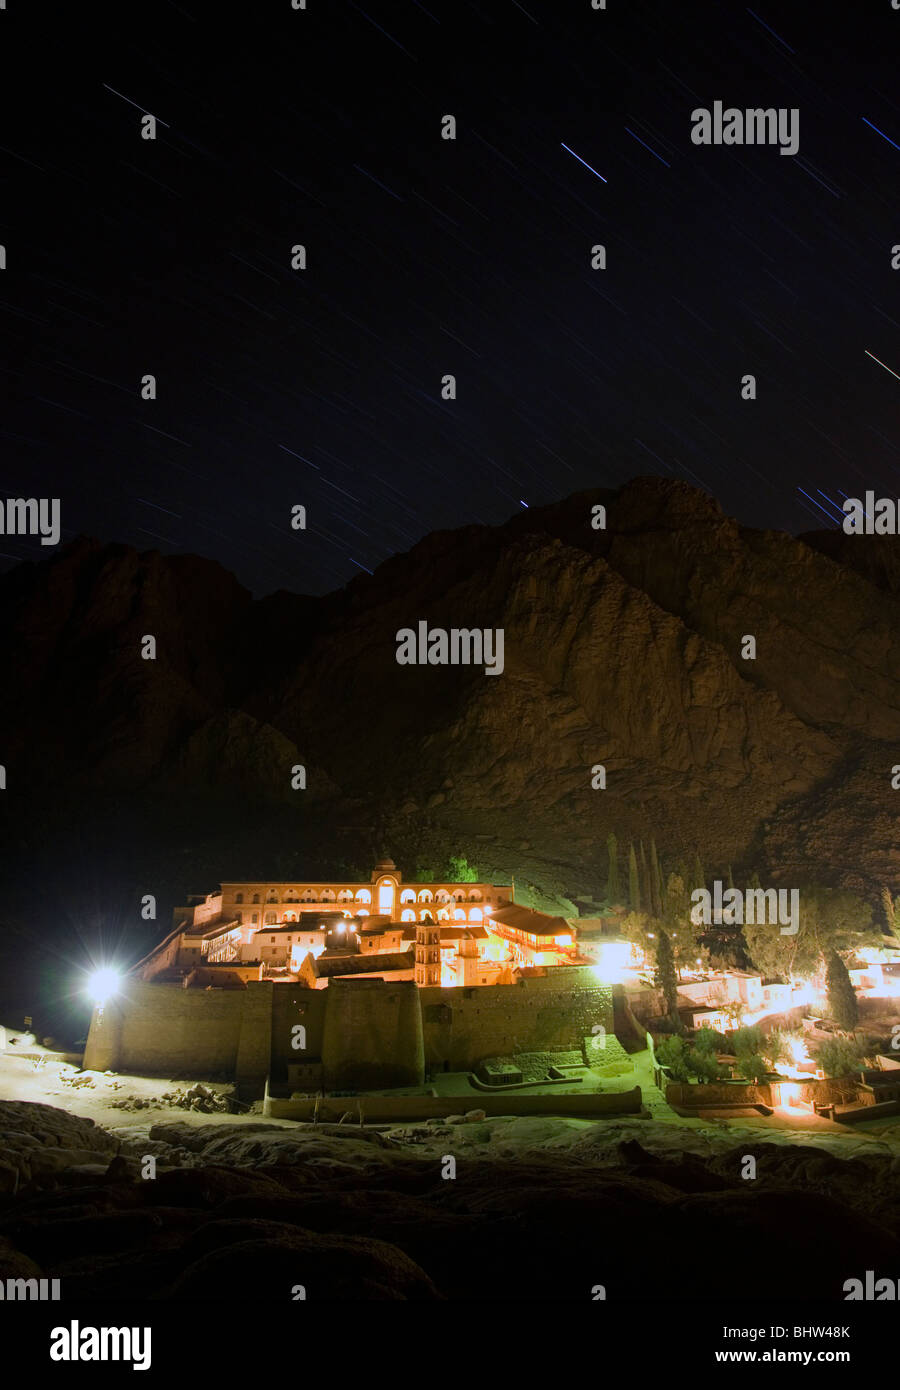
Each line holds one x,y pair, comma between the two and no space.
623,647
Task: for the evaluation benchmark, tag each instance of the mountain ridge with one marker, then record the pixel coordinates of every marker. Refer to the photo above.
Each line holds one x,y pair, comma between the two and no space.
622,648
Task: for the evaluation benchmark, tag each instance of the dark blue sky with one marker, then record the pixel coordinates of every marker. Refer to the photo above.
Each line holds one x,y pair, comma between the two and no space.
425,257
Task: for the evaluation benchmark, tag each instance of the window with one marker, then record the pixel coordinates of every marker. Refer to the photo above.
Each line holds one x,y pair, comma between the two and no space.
254,916
256,897
272,939
239,897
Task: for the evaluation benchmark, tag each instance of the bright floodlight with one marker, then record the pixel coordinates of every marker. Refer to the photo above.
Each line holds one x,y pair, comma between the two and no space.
102,985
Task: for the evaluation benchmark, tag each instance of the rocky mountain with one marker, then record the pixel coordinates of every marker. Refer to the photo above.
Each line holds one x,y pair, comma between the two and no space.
623,646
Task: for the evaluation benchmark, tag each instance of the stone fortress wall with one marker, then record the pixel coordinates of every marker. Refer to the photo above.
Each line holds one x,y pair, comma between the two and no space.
358,1034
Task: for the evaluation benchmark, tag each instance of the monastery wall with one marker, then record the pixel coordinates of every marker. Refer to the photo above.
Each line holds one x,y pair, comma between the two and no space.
294,1005
464,1026
368,1033
159,1029
373,1035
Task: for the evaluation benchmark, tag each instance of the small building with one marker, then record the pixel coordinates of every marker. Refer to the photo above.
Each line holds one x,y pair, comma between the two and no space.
316,972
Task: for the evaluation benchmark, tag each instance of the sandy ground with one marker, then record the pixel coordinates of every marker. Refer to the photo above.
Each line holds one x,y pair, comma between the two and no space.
29,1072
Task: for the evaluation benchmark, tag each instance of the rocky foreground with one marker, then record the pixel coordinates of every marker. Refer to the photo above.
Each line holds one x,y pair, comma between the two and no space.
538,1209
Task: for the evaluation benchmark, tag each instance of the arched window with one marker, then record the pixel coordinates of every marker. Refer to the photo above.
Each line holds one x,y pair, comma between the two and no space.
426,895
407,896
443,914
476,914
345,896
475,896
459,915
442,896
272,896
363,896
407,915
327,895
459,895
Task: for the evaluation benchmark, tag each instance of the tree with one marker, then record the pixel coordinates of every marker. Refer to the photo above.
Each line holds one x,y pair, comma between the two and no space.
646,891
707,1039
838,1057
687,937
698,877
842,1001
838,920
705,1065
777,1048
613,892
752,1067
676,900
830,919
634,891
664,975
656,888
634,928
672,1053
748,1042
734,1009
461,871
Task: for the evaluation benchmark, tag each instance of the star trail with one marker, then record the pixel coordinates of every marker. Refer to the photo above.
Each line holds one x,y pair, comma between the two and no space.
426,258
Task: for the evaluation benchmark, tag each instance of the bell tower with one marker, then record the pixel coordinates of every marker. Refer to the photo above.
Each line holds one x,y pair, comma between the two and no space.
387,881
428,953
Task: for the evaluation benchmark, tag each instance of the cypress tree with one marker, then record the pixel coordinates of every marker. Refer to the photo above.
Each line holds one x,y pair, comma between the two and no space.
613,890
664,977
841,995
657,892
644,875
634,893
888,905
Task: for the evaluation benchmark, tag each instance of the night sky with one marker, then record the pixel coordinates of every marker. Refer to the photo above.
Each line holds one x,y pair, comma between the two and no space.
322,387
